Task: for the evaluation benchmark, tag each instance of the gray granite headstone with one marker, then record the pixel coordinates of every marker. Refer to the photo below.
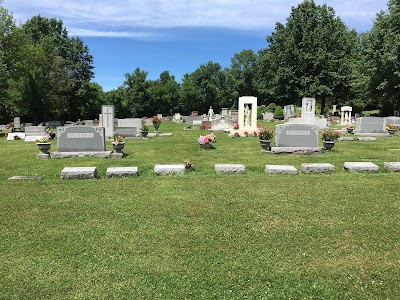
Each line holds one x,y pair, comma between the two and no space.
127,131
296,135
130,122
35,131
89,123
17,122
54,124
371,125
80,138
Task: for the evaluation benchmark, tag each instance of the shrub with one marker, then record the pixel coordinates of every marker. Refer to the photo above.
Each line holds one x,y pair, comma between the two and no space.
278,114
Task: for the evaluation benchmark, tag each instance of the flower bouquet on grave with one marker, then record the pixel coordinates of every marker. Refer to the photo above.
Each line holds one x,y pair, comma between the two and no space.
118,139
265,134
44,139
329,135
206,141
156,122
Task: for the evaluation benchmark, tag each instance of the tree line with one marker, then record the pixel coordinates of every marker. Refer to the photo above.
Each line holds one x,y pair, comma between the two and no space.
45,74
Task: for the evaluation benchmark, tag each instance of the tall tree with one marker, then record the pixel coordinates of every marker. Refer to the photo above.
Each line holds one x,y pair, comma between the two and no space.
50,70
309,56
203,88
381,54
242,71
137,93
7,25
164,94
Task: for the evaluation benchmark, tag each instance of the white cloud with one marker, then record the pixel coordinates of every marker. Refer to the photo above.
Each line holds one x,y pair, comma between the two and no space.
127,17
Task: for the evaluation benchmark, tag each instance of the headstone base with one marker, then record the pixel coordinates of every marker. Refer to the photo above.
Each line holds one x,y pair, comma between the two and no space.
26,178
346,138
280,169
43,156
297,150
97,154
122,172
169,169
361,167
229,169
372,134
117,155
317,168
79,173
392,166
366,139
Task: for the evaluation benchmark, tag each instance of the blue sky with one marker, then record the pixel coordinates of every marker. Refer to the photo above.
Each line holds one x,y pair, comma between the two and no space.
175,35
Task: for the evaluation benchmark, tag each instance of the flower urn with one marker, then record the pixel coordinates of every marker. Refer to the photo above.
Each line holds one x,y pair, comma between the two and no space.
44,147
265,144
118,146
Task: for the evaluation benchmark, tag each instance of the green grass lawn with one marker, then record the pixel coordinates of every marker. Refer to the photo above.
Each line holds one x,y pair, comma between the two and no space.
200,235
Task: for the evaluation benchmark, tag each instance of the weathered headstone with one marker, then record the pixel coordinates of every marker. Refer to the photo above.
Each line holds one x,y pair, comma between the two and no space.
267,116
54,123
80,139
371,125
32,133
107,114
17,122
130,122
224,111
289,111
296,135
393,121
88,123
127,132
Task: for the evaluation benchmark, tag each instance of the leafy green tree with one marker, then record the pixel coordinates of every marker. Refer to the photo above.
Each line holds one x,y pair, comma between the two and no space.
49,70
118,98
242,71
381,59
137,93
164,94
7,25
203,88
309,56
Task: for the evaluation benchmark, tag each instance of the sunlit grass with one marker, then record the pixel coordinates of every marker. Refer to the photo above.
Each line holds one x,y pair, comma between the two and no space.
200,235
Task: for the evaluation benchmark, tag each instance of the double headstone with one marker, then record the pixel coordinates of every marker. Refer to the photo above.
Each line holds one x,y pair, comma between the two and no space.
296,135
371,125
80,139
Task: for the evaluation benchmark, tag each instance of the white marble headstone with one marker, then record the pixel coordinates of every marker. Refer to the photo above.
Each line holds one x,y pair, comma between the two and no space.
107,119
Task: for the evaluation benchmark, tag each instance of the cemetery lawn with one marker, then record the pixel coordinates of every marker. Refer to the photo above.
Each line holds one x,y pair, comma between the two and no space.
200,235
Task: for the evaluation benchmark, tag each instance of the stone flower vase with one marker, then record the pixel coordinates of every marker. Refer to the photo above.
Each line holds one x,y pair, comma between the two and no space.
118,147
156,126
44,147
329,145
205,146
265,144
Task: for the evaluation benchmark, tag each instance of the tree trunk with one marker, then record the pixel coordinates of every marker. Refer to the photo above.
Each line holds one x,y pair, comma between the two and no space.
323,103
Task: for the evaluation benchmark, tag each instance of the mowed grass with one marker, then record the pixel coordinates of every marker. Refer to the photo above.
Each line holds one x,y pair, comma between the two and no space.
200,235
